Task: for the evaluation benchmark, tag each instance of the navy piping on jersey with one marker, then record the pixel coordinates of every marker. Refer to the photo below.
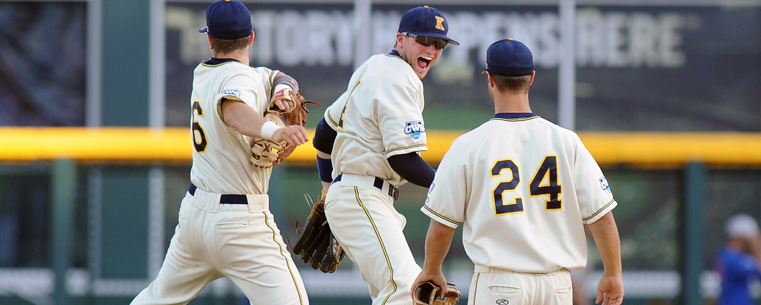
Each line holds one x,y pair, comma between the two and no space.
514,115
216,61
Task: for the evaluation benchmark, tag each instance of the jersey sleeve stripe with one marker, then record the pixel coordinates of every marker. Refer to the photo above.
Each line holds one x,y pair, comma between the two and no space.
333,122
406,148
272,76
600,211
452,221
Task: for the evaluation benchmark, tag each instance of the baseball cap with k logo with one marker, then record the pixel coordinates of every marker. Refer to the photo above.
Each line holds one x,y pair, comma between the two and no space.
425,21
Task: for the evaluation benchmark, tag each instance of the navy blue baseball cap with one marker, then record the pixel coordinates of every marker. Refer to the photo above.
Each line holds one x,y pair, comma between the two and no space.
509,57
227,19
426,21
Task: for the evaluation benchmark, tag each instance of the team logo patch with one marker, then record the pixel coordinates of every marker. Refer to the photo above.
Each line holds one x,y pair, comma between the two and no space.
604,184
233,92
502,302
414,128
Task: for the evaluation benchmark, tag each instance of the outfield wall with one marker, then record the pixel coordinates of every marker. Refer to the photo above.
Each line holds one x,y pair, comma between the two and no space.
146,145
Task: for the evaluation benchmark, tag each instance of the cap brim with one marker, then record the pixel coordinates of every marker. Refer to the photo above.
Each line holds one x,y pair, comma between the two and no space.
452,42
438,35
204,30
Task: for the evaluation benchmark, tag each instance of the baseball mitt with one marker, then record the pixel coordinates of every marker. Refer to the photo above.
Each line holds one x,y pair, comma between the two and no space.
316,244
267,153
428,293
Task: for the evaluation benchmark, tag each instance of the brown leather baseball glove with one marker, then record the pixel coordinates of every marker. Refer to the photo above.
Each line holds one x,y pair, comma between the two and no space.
267,153
316,244
428,293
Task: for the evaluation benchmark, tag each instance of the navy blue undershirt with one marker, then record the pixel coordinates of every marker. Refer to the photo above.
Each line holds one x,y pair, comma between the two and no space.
410,166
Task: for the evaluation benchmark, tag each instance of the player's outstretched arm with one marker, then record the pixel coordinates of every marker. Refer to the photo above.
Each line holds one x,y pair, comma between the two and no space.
244,119
610,290
280,86
437,242
293,134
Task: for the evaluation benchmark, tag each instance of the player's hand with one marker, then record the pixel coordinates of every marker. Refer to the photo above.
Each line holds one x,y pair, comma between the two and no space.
284,104
424,276
293,134
282,99
610,290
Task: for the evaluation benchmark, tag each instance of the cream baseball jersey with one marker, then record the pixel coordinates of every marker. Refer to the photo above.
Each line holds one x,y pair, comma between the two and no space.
221,155
522,187
380,115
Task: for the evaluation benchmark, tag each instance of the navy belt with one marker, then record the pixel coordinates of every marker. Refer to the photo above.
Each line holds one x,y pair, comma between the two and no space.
225,198
378,182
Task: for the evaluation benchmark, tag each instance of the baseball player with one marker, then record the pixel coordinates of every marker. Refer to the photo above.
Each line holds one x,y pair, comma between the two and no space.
225,226
739,260
523,188
370,139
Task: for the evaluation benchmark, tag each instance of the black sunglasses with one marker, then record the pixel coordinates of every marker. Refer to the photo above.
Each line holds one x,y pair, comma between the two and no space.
428,41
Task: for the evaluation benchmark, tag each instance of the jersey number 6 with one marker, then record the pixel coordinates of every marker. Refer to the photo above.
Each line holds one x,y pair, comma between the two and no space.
539,186
199,137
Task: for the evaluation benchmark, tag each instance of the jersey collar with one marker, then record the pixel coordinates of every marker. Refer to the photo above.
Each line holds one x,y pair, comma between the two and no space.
217,61
394,53
514,115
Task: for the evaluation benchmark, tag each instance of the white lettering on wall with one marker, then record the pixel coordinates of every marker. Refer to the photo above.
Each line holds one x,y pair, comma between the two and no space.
326,37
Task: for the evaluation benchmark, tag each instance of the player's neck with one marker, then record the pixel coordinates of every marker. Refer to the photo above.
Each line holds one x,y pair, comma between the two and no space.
240,55
511,103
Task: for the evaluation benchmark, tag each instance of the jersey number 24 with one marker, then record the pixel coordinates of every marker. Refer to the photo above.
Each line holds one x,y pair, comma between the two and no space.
544,183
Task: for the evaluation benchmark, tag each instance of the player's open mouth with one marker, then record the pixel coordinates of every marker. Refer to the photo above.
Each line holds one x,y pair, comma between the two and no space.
424,62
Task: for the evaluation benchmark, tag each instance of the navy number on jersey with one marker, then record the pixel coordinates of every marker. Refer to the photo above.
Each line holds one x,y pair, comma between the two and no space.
547,187
516,204
544,183
199,137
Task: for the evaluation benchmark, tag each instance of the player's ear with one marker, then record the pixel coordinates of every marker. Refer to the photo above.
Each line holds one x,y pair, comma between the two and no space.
533,73
399,38
251,41
490,80
211,42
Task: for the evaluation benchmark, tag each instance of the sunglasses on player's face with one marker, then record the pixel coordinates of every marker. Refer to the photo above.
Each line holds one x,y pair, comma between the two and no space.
428,41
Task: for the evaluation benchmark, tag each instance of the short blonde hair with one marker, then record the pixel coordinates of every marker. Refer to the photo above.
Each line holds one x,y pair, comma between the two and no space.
512,83
229,45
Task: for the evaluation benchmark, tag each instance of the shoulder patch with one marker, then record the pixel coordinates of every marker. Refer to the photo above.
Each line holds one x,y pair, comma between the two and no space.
604,184
233,92
414,128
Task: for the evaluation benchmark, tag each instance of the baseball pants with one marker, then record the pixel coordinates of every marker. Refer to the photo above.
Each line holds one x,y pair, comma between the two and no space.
498,286
237,241
363,219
